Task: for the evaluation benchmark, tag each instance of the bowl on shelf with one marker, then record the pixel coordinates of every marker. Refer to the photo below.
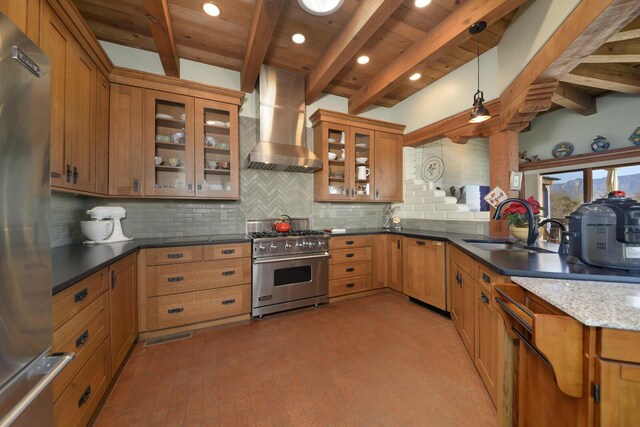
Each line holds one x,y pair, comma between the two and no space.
97,229
173,161
361,160
163,138
222,146
332,156
212,164
177,138
210,141
158,161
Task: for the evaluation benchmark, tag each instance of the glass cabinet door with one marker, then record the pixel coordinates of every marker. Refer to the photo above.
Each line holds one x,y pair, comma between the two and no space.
334,140
169,144
217,158
361,160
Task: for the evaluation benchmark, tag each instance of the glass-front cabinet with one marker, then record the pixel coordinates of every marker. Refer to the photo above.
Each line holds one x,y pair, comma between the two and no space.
216,152
169,144
351,170
191,147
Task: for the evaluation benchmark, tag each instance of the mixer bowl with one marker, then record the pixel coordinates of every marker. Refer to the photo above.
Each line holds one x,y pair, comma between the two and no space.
97,229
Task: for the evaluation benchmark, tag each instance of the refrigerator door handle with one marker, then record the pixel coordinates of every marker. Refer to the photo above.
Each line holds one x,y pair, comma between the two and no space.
57,363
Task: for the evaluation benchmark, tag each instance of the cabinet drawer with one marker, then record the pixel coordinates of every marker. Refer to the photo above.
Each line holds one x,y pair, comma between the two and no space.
618,344
197,276
176,255
194,307
229,251
488,276
81,335
463,260
78,402
349,285
349,255
349,242
349,269
71,301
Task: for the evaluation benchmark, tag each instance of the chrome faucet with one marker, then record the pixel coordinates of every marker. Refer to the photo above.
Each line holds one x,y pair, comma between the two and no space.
533,227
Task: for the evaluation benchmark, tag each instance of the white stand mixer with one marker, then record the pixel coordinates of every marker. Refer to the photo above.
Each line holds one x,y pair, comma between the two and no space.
113,214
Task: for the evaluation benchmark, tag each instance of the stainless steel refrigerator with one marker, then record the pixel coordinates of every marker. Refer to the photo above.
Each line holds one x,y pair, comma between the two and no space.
26,365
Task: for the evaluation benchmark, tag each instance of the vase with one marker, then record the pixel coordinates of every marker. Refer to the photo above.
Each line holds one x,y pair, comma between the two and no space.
521,233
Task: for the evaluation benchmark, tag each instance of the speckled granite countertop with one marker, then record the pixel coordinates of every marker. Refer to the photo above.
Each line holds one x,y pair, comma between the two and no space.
606,305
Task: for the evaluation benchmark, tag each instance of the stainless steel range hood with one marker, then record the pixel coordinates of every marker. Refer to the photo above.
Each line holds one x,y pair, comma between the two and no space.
282,139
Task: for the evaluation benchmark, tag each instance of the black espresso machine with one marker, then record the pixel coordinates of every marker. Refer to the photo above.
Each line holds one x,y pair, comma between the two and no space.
606,232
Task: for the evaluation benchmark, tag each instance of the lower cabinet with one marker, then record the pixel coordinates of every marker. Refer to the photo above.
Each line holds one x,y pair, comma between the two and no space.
122,295
486,338
394,269
462,305
350,269
192,286
380,256
423,271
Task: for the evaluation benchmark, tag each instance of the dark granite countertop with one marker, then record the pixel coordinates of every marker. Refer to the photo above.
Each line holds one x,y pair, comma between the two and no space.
513,263
72,263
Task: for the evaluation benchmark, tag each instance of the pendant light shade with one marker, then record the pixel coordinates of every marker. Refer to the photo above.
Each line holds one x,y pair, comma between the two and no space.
479,113
320,7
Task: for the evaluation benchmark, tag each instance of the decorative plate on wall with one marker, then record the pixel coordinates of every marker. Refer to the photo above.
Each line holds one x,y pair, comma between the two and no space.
635,137
562,149
432,169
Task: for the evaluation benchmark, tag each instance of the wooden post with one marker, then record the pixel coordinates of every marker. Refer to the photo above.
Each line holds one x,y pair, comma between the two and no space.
503,158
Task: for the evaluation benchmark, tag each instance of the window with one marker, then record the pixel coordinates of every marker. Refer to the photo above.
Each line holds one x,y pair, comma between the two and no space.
563,193
624,178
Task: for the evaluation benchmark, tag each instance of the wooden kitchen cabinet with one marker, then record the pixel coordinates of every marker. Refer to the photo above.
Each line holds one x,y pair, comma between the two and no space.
102,134
380,260
123,306
25,14
350,269
73,106
462,307
395,263
354,142
125,141
486,344
423,275
619,388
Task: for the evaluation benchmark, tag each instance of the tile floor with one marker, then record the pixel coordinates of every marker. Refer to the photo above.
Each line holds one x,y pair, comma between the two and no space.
373,361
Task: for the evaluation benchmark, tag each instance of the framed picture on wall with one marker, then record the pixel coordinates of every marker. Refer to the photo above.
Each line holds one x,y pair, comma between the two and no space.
516,180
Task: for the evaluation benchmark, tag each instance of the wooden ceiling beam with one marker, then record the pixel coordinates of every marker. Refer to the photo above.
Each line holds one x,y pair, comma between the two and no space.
449,33
456,127
366,20
159,18
630,32
587,27
613,77
574,99
265,17
627,51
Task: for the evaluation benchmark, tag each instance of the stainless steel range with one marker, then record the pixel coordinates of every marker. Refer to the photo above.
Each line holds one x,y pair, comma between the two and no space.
290,270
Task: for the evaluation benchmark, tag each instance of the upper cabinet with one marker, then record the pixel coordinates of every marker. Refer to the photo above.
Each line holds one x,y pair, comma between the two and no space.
172,138
362,158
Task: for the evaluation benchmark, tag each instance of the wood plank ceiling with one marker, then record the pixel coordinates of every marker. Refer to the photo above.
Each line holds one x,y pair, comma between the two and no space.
222,41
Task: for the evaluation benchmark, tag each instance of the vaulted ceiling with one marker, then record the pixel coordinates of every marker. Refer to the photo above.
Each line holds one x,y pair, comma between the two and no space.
399,38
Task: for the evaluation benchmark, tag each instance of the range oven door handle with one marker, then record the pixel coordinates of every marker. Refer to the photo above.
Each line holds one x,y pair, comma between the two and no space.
295,258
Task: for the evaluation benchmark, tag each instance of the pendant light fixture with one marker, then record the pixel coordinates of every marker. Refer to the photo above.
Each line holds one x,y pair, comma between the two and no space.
320,7
479,112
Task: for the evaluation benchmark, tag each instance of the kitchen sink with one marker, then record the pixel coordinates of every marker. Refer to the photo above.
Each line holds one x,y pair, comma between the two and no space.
505,245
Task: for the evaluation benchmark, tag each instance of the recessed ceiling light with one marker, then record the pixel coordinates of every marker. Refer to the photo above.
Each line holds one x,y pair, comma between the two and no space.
363,59
320,7
211,9
415,76
298,38
422,3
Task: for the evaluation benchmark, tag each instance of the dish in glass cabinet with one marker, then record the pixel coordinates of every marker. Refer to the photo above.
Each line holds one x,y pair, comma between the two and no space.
165,116
216,123
635,137
562,149
332,140
362,145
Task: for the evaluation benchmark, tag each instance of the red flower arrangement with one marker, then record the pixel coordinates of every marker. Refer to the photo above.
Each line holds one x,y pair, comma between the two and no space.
517,213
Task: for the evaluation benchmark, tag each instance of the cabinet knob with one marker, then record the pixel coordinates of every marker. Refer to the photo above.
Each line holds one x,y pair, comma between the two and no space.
113,279
85,396
76,175
484,298
377,194
67,172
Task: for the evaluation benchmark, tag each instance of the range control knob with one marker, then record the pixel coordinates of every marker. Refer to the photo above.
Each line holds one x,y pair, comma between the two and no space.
320,244
287,245
312,244
261,248
273,247
299,244
305,243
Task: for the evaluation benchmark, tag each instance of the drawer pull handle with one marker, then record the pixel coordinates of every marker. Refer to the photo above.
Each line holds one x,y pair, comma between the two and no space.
85,396
350,269
175,310
420,243
350,255
229,273
81,295
228,251
349,242
113,279
82,339
486,278
175,256
175,279
350,285
228,301
484,298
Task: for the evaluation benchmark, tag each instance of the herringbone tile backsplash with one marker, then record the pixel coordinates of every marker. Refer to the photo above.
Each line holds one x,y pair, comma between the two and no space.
264,194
